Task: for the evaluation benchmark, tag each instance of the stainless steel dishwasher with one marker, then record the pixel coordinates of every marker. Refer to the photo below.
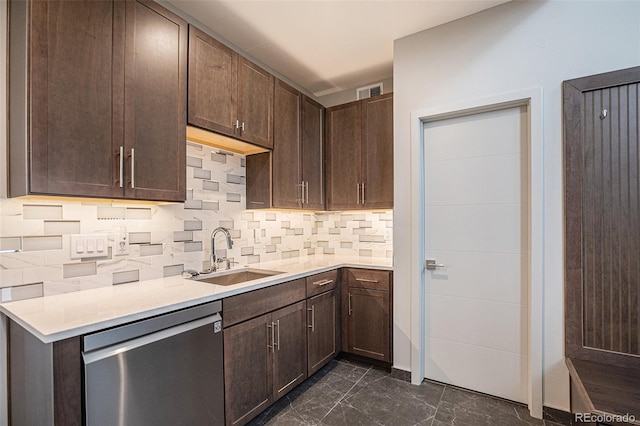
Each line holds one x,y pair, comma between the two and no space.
166,370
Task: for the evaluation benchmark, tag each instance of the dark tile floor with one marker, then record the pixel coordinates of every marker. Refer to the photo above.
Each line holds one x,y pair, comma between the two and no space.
348,394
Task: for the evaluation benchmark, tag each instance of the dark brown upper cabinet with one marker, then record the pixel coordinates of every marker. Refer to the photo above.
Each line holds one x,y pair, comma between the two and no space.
228,94
360,154
297,153
106,93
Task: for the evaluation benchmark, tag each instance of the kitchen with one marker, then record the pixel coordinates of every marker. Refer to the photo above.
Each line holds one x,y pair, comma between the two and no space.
159,234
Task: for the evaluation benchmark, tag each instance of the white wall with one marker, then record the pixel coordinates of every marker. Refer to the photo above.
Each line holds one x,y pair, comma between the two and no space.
512,47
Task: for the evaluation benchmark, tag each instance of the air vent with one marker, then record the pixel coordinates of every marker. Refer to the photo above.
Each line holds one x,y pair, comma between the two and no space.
369,91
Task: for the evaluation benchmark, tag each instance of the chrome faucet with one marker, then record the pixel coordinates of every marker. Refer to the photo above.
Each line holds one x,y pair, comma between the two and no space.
214,258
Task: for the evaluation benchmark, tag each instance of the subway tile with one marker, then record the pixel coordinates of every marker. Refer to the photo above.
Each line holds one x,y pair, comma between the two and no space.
194,146
270,217
235,233
340,224
38,211
151,250
276,240
285,224
111,213
359,231
270,248
226,224
234,197
346,244
126,277
10,244
298,231
306,217
59,227
334,231
254,224
194,162
180,236
209,185
290,232
42,273
193,205
192,246
202,174
247,216
172,270
311,251
135,213
218,158
139,237
246,251
306,244
358,217
50,242
236,179
21,292
322,244
328,250
365,252
211,205
189,195
319,224
73,270
253,259
10,277
243,162
365,224
192,225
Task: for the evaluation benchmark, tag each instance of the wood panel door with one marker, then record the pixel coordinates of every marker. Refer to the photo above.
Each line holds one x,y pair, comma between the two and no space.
322,330
344,157
287,173
312,157
259,181
602,218
290,348
155,103
76,76
377,152
369,323
255,103
212,84
248,369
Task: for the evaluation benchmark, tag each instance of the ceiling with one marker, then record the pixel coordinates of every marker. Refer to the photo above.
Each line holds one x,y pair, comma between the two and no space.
326,46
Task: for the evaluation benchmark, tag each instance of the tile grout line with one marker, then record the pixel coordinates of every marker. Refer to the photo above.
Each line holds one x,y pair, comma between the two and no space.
346,393
444,387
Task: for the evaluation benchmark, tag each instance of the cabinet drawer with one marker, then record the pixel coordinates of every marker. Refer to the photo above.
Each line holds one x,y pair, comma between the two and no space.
367,278
249,305
319,283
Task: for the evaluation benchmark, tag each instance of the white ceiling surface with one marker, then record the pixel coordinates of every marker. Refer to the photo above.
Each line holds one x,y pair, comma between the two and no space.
326,46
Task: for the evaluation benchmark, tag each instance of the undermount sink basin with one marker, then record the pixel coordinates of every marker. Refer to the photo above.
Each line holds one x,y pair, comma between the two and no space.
237,277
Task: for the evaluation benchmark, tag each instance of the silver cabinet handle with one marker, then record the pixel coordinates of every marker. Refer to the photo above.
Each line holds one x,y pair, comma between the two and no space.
278,325
363,199
350,310
364,280
133,168
431,264
358,195
322,282
242,127
273,340
307,186
312,309
301,185
121,166
237,125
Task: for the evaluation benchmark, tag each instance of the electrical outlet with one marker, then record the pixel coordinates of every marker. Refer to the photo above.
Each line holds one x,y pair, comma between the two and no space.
121,242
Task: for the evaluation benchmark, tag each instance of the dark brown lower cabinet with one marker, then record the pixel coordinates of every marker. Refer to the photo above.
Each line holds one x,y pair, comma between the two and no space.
322,330
367,313
264,358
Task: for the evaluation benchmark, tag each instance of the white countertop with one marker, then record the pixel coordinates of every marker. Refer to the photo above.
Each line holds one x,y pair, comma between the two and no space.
58,317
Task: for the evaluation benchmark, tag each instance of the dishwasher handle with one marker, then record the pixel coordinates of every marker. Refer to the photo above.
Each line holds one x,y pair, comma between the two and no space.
100,354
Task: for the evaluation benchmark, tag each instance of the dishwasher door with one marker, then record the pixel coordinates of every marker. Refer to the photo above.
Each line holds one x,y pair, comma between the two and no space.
170,377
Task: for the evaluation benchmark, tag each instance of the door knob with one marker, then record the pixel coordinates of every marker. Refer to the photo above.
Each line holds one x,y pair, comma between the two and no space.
431,264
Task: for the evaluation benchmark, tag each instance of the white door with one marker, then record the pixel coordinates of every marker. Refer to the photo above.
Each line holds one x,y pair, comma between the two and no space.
476,225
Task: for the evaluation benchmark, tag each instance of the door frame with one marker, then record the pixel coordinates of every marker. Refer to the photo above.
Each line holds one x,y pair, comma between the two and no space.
532,98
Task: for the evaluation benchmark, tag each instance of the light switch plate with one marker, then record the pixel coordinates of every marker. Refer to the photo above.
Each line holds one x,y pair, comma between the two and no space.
87,246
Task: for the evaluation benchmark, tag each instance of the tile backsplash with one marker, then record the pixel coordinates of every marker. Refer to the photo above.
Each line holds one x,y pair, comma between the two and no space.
165,239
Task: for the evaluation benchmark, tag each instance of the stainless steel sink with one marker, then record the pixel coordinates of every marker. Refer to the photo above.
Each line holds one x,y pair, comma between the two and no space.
237,277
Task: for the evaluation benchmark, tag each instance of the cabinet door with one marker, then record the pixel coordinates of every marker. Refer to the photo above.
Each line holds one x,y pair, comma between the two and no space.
212,83
259,180
248,369
322,330
369,323
255,103
290,353
155,102
343,156
313,153
76,77
377,152
287,176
